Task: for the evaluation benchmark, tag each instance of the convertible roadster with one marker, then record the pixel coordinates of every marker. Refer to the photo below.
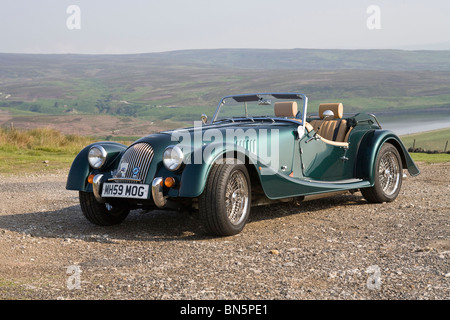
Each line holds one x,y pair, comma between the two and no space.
256,149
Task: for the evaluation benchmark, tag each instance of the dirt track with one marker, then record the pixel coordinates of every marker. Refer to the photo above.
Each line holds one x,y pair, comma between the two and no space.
335,248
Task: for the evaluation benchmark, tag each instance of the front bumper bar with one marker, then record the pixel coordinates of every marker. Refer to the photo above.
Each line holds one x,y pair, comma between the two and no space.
157,193
97,188
157,190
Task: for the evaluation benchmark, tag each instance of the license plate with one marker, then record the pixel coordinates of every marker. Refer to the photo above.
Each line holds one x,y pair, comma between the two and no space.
125,190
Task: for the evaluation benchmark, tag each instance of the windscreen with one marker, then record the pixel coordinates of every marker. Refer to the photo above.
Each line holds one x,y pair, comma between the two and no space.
253,106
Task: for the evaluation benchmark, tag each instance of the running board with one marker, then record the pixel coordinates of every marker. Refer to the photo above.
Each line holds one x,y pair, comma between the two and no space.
324,195
263,201
277,186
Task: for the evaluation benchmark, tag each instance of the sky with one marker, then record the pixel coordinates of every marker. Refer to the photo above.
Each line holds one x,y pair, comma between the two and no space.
142,26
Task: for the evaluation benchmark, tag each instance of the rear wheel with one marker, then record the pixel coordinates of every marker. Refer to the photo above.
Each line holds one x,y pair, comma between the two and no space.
225,203
102,214
388,176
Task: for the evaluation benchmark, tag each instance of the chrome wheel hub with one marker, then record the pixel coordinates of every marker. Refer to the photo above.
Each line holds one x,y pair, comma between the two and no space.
236,197
389,172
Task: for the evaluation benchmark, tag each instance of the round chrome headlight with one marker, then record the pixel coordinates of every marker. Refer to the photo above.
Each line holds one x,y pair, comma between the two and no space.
173,158
97,156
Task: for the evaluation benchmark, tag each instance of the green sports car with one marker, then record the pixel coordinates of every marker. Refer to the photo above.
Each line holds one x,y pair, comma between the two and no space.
256,149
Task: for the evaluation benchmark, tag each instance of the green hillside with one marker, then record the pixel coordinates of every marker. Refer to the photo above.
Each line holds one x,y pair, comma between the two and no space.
431,140
311,59
181,85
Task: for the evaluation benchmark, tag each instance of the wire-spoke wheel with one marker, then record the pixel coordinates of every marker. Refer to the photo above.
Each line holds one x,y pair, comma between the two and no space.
225,203
388,176
236,197
389,173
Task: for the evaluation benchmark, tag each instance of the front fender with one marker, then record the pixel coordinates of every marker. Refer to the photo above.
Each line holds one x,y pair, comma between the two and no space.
80,168
370,147
195,174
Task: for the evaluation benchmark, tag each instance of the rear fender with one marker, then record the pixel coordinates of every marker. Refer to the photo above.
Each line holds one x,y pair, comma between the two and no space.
370,147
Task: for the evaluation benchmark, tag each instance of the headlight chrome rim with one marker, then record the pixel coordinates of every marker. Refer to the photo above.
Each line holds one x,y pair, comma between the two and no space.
97,156
173,158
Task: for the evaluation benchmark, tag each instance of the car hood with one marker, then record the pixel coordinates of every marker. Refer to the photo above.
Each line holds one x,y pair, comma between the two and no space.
224,132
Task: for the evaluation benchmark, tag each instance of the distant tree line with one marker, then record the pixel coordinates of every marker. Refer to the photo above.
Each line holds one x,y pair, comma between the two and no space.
107,106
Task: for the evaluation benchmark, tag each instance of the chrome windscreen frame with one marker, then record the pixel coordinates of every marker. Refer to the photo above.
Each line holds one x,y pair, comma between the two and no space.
303,97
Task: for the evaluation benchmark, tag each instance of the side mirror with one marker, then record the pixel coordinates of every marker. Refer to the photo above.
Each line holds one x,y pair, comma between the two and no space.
264,102
204,118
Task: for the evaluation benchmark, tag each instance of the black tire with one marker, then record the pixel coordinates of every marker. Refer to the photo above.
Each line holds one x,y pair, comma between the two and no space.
388,176
224,205
102,214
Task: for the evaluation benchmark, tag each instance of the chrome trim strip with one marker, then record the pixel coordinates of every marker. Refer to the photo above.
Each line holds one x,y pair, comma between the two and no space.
125,179
346,181
157,193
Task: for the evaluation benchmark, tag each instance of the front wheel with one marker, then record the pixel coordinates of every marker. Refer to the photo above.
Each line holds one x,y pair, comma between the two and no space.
225,203
388,176
102,214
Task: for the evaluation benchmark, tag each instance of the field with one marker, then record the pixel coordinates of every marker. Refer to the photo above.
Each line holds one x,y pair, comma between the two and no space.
177,87
436,140
122,97
48,150
37,150
431,140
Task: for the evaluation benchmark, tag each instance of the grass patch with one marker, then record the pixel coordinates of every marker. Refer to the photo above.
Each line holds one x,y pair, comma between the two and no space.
48,150
38,150
44,139
27,162
431,140
41,150
431,158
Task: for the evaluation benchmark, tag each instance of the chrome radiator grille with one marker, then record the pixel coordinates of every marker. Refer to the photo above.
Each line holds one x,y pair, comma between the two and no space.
135,162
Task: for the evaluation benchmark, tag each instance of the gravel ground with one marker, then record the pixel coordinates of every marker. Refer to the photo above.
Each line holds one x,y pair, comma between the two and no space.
334,248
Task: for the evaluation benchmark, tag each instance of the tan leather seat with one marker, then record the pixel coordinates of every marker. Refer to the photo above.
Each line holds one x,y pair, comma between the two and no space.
288,109
333,129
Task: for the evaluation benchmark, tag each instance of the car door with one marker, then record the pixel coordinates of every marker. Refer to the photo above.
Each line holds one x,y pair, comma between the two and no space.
323,161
